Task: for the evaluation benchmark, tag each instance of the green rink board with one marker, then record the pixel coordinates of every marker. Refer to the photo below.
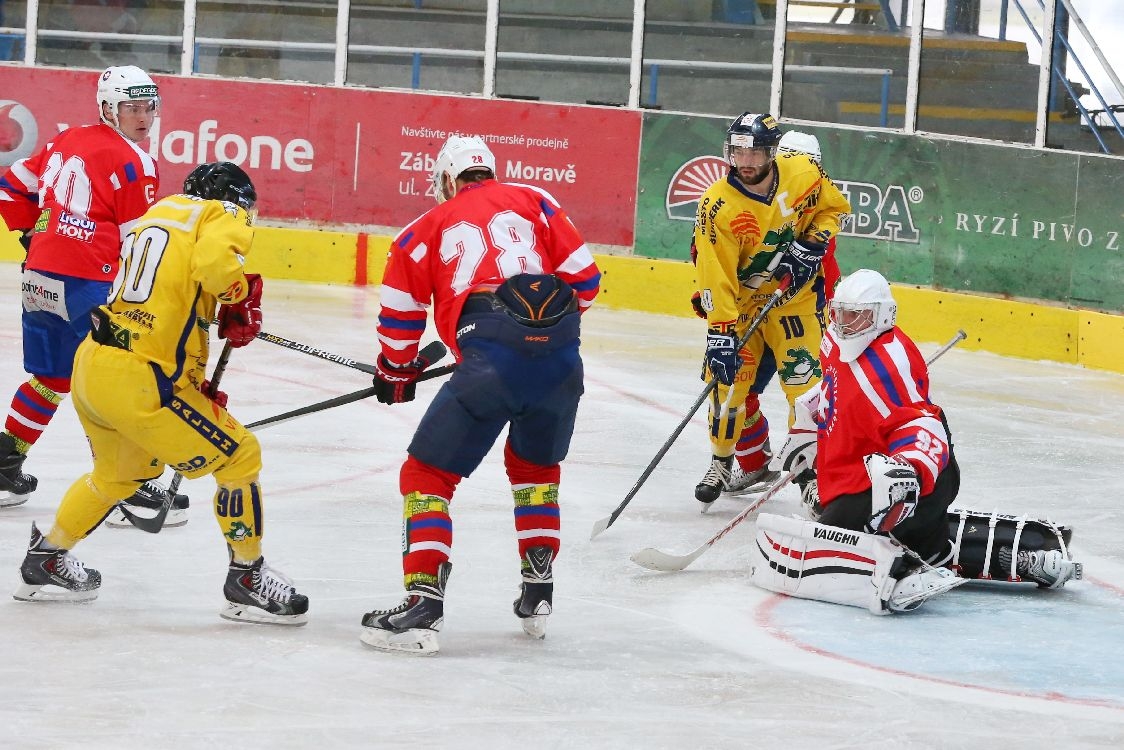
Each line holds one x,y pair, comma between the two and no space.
979,218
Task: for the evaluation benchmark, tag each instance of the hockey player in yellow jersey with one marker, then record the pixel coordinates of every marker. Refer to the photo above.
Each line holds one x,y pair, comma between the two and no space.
769,219
142,398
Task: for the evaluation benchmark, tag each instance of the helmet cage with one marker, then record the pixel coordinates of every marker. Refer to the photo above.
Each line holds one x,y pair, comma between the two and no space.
851,319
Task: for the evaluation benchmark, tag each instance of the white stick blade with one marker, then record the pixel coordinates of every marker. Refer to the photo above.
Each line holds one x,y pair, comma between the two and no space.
599,526
654,559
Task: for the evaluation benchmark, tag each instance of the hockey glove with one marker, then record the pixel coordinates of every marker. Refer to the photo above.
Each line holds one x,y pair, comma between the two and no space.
395,384
722,356
696,305
799,451
219,397
894,492
800,260
240,322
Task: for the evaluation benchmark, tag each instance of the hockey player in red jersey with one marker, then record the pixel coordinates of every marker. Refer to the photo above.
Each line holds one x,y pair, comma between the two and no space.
75,200
884,457
508,275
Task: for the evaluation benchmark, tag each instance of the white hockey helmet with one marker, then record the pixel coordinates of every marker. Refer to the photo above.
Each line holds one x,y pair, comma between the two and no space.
863,308
458,155
805,143
124,83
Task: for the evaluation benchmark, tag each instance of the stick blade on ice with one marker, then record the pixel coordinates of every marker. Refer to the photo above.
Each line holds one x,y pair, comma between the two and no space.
654,559
599,526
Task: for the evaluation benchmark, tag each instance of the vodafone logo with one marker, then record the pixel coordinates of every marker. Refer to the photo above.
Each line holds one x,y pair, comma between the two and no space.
688,184
18,132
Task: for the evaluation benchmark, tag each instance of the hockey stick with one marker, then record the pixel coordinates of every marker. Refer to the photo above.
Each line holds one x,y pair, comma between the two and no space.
153,524
431,352
654,559
609,520
313,351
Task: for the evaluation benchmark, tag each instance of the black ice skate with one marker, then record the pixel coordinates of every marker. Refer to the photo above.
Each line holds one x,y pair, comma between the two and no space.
715,480
412,626
536,593
15,486
54,575
149,497
1049,568
257,593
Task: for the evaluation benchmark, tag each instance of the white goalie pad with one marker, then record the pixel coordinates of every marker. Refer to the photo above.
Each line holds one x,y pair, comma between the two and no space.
809,560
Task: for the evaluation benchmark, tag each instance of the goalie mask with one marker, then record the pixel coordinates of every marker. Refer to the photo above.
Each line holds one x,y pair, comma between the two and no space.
863,308
222,181
459,155
125,83
804,143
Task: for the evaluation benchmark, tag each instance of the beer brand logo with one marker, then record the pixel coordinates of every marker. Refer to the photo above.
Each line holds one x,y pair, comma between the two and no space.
18,132
688,184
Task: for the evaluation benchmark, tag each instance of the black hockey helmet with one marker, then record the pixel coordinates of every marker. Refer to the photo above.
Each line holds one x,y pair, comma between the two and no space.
221,181
751,130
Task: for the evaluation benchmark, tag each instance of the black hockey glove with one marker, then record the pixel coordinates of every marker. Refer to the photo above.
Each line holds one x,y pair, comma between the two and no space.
800,260
722,356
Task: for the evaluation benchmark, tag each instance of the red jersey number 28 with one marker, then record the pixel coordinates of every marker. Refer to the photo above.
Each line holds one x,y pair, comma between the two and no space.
509,239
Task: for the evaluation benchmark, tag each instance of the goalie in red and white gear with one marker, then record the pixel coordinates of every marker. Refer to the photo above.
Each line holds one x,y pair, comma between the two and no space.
886,468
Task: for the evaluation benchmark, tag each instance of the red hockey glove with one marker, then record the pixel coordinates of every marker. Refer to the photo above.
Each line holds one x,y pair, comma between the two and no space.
395,384
240,322
696,305
219,397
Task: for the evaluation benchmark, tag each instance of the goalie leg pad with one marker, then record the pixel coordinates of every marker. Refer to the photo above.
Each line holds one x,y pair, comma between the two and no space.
1011,548
809,560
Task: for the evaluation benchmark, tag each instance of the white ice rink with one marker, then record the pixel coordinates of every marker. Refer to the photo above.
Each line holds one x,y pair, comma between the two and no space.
633,659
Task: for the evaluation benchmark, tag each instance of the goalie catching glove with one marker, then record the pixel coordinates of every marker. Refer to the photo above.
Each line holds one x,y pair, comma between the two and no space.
894,492
240,322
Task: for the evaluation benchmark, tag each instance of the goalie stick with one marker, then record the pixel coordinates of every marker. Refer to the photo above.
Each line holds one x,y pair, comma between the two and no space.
654,559
153,524
609,520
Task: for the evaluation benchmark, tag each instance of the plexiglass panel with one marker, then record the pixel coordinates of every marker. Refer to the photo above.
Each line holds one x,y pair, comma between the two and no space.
846,62
272,40
101,33
436,46
711,58
577,51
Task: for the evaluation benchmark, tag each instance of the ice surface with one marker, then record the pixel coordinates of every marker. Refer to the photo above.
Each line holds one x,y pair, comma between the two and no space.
632,659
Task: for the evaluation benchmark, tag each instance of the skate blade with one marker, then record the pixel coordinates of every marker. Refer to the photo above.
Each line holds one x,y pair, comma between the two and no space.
534,626
116,519
417,642
247,613
29,592
10,500
756,488
704,508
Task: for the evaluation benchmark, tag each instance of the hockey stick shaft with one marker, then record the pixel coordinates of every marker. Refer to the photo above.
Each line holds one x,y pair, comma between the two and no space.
609,520
316,352
154,524
654,559
432,351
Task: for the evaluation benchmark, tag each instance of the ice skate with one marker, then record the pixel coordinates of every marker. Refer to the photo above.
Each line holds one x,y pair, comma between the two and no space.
536,592
715,480
257,593
52,574
913,590
750,482
1050,569
15,486
149,497
412,626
